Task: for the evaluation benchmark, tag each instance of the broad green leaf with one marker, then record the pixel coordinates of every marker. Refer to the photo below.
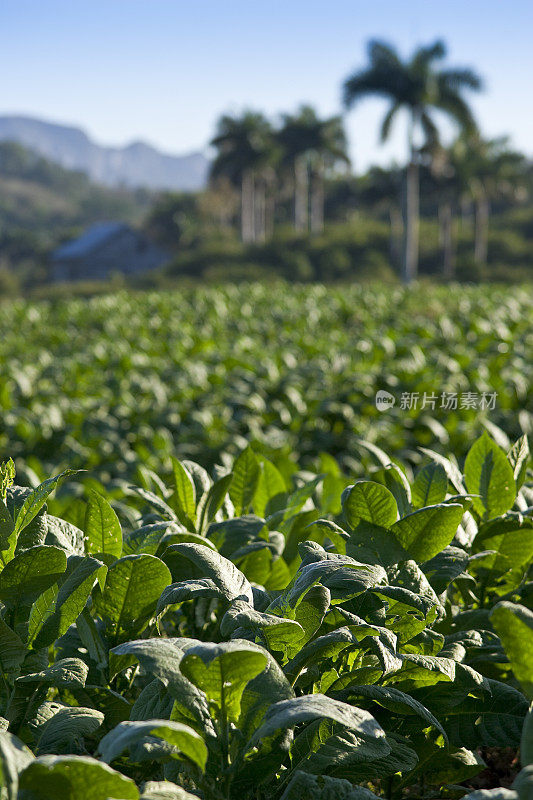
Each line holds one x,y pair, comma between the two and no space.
189,561
424,533
14,758
67,777
430,486
492,720
323,787
508,540
37,498
12,650
30,573
128,735
514,626
246,474
519,456
396,482
450,467
55,611
65,730
289,713
185,494
371,502
8,534
66,672
165,790
526,742
132,589
330,645
271,490
222,671
489,474
103,534
275,633
212,500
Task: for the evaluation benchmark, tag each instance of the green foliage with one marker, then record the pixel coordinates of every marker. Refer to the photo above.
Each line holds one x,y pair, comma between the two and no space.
269,642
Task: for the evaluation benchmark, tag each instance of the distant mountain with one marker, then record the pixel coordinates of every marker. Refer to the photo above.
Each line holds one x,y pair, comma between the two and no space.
136,165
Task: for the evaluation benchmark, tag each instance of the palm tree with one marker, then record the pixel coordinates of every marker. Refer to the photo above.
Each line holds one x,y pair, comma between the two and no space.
380,189
487,170
418,87
309,147
245,147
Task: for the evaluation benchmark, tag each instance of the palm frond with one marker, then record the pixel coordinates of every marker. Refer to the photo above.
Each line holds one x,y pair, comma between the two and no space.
462,78
387,122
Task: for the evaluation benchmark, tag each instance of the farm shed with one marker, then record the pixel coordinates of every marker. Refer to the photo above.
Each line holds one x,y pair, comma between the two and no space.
103,249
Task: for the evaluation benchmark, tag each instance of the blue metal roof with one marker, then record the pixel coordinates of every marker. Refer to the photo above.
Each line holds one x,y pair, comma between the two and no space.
91,239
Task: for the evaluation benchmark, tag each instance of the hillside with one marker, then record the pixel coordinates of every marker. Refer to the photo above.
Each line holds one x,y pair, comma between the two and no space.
42,203
136,165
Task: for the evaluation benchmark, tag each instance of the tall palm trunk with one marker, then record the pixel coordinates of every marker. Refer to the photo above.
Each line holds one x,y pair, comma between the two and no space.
317,200
481,244
411,211
260,212
396,234
301,195
247,207
448,244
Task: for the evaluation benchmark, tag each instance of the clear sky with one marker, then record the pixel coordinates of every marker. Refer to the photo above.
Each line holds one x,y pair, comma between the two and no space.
164,70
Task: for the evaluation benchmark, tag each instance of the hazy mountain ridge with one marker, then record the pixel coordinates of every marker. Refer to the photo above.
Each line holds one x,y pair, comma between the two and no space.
135,165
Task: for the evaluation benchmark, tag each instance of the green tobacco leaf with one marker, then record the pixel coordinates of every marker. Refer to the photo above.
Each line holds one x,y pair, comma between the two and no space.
442,569
424,533
132,589
12,650
514,626
246,474
222,671
276,633
526,742
322,787
8,535
371,502
493,720
67,777
103,534
396,482
56,610
212,501
375,545
271,490
30,573
14,757
37,498
189,561
489,474
510,538
299,710
394,700
184,494
430,486
165,790
327,646
66,672
158,657
65,730
128,735
519,456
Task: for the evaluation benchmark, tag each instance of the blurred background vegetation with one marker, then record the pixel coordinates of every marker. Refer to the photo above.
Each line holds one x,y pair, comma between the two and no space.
283,201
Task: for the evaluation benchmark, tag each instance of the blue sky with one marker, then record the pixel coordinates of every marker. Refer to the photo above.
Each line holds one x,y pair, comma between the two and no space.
164,70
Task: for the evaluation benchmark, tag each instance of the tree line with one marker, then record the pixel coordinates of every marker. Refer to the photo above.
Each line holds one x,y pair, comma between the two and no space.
303,156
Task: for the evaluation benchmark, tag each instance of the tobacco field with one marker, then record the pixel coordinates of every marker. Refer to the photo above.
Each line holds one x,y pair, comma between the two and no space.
226,574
